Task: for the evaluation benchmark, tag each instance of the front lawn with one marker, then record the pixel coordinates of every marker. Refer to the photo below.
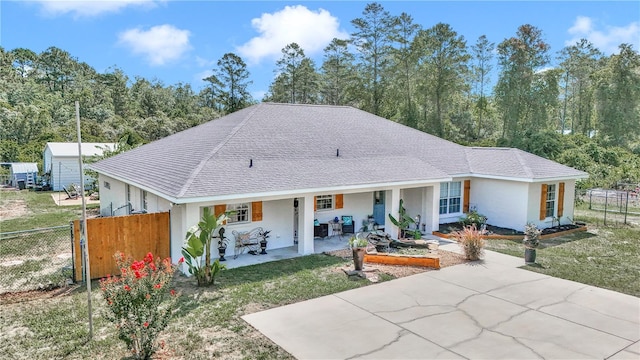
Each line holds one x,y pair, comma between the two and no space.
605,257
25,210
207,326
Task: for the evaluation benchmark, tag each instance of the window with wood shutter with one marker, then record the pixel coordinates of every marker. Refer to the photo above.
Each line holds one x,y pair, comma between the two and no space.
560,199
239,213
543,201
324,202
465,203
339,201
256,211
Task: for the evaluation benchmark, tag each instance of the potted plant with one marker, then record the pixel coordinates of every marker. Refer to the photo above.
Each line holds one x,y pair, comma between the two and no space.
222,244
264,235
531,241
358,246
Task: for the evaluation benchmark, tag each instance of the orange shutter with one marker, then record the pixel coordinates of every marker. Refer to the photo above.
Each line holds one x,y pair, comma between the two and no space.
465,202
315,203
560,199
543,202
219,210
256,211
339,201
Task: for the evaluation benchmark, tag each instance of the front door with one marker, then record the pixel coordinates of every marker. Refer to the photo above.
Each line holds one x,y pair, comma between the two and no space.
295,221
378,207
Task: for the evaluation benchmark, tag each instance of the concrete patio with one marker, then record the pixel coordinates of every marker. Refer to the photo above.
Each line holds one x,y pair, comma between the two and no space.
485,310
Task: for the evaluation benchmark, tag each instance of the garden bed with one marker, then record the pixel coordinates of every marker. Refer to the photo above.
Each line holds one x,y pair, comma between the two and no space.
496,232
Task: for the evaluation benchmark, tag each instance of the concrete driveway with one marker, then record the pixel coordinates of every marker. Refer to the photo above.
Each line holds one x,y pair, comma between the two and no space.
488,310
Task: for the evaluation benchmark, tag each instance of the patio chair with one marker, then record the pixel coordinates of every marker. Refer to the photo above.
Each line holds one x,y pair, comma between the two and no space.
70,194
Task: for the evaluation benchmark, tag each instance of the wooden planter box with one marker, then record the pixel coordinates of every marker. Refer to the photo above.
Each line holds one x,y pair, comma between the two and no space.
394,259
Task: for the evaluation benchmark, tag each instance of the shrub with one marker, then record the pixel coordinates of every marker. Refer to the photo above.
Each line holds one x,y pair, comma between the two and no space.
140,302
473,218
471,241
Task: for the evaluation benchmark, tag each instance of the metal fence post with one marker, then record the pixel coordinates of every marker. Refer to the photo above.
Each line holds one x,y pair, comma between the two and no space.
606,200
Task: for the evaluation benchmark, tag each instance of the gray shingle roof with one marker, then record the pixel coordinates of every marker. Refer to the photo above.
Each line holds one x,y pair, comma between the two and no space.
293,147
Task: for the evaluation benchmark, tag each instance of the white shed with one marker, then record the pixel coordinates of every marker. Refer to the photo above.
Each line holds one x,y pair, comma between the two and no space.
61,162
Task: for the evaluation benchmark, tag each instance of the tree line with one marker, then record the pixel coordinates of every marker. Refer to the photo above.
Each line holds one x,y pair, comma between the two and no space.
430,79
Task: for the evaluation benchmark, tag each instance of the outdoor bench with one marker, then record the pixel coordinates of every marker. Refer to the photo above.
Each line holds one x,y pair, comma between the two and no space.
247,240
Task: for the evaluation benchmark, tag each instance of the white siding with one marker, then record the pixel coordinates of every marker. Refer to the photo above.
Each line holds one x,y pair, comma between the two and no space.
503,202
64,172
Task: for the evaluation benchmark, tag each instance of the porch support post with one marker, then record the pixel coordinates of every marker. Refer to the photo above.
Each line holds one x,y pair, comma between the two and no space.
392,206
305,225
435,210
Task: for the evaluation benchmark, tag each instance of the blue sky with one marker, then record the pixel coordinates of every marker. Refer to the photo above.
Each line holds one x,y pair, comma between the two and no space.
180,41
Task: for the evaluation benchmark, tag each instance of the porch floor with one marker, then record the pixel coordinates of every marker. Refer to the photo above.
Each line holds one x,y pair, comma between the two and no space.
319,245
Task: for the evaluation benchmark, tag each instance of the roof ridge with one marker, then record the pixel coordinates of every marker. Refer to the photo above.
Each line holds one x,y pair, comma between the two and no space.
466,158
526,168
198,168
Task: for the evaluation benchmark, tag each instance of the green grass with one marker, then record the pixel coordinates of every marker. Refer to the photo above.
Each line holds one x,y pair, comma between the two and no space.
605,257
207,325
42,211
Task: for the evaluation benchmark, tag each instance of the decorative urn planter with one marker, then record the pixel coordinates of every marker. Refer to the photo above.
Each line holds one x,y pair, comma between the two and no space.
529,256
358,257
263,247
222,251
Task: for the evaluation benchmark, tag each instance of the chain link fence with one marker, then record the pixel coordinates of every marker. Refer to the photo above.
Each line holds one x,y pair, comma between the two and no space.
35,259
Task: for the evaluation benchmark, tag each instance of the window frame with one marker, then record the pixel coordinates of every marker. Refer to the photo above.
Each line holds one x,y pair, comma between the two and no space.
236,210
450,201
324,199
144,200
550,201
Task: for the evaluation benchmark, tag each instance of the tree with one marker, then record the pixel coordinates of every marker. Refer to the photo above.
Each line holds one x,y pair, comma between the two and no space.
405,68
337,73
443,61
372,38
520,58
229,83
297,80
482,54
618,97
24,62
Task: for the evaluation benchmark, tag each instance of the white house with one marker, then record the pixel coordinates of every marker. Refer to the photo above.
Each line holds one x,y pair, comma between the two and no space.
60,161
282,166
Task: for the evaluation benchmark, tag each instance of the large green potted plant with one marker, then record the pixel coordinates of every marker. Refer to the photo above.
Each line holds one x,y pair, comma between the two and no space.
403,221
531,242
197,249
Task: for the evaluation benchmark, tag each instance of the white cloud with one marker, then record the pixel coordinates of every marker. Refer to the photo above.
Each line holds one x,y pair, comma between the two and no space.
607,39
88,8
199,77
159,45
312,30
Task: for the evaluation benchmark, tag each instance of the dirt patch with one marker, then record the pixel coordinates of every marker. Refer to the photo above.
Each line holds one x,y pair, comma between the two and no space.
11,209
24,296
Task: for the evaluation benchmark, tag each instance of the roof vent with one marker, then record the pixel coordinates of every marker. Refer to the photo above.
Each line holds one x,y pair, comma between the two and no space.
250,163
337,152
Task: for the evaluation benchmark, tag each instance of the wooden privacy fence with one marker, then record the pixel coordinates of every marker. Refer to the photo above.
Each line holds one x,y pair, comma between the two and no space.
135,235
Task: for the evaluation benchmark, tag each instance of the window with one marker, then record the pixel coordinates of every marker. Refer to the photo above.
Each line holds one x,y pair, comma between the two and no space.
128,199
450,194
144,202
238,213
551,200
324,202
107,185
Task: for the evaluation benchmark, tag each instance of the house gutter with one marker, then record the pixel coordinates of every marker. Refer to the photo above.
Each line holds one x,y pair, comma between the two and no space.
281,194
526,180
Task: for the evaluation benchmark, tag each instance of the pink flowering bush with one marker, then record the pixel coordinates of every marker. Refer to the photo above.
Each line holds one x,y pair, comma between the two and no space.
140,301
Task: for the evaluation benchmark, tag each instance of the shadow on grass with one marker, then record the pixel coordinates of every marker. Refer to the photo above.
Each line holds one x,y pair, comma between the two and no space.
560,240
275,269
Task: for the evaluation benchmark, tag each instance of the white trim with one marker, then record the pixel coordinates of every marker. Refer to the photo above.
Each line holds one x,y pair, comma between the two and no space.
280,194
526,180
